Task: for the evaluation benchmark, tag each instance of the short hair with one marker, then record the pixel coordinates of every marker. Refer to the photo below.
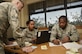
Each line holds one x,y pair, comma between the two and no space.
22,2
65,17
14,1
27,22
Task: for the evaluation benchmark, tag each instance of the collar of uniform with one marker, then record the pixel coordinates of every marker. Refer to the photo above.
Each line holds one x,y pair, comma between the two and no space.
65,28
29,29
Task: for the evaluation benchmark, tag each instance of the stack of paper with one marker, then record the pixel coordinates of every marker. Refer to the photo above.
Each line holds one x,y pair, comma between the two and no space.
72,45
69,52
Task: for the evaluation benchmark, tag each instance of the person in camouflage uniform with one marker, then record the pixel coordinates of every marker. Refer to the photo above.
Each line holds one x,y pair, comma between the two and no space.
63,32
29,34
8,17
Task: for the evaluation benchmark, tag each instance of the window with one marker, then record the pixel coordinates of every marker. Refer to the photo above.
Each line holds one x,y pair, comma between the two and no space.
75,15
39,19
53,9
52,17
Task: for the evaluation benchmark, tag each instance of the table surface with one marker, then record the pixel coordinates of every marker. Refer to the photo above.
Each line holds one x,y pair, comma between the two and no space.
38,50
50,50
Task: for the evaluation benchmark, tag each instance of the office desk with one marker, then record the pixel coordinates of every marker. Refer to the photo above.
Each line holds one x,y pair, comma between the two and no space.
50,50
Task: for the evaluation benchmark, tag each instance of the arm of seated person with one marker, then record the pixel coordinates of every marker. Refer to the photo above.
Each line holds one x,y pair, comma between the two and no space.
65,39
14,50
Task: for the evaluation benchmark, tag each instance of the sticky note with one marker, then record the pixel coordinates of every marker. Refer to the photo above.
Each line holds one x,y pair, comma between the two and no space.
44,47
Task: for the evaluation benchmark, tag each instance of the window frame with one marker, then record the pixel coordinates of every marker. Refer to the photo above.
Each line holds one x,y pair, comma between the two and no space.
63,8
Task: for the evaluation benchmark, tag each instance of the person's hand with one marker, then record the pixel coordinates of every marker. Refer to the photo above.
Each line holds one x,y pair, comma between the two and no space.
33,39
56,41
65,39
80,50
9,43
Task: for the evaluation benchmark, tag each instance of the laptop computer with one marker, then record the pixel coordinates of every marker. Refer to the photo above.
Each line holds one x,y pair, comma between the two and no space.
42,37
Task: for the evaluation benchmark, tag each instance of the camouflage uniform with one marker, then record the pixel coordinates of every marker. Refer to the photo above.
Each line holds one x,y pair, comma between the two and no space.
8,17
59,33
27,35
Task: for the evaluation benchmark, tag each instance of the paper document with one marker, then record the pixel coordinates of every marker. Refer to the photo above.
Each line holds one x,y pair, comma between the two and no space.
34,47
72,45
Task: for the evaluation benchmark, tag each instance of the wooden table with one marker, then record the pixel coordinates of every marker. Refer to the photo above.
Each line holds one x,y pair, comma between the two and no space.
50,50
